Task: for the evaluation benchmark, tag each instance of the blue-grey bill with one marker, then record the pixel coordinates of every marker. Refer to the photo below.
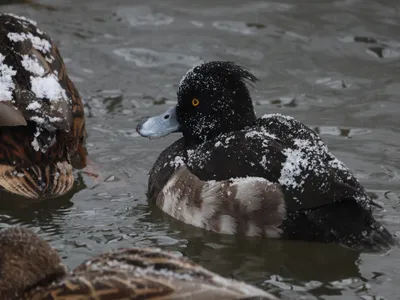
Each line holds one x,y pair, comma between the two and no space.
159,126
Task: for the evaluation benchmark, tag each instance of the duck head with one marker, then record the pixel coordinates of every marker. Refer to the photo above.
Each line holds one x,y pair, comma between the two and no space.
212,99
26,262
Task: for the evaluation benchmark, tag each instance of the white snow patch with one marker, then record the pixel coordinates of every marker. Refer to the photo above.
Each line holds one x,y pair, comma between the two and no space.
286,120
34,106
228,139
302,143
55,119
37,42
293,166
218,144
48,87
6,80
35,144
38,120
198,157
259,134
177,162
337,164
264,161
32,65
50,59
247,180
277,115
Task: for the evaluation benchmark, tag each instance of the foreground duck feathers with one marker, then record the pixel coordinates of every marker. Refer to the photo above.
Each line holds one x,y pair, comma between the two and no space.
147,273
42,123
224,145
31,269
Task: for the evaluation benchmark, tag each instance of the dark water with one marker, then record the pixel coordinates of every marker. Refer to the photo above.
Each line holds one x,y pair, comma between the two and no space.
332,64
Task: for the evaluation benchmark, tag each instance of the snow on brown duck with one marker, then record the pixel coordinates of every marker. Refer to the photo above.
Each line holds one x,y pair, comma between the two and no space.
42,123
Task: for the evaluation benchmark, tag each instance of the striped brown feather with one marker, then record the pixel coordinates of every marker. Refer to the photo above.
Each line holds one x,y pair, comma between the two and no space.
105,285
144,273
40,181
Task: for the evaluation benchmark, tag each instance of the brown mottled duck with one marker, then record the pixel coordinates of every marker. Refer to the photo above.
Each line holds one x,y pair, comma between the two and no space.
31,269
42,124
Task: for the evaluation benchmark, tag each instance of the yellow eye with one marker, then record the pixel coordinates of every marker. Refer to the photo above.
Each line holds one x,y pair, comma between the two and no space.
195,102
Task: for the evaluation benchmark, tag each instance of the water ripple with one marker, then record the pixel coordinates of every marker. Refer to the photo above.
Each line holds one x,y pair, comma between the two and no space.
147,58
142,16
235,26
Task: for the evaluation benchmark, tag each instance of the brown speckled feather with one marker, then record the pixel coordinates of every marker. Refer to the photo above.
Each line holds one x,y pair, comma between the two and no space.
42,125
144,273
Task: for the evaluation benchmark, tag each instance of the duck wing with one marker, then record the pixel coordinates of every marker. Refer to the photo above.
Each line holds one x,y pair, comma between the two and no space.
310,172
283,151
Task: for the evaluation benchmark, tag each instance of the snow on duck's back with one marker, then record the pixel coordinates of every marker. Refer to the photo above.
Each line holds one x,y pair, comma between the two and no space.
41,113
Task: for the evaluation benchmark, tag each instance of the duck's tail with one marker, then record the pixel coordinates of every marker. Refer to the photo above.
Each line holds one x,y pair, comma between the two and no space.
251,206
376,238
359,229
346,222
37,181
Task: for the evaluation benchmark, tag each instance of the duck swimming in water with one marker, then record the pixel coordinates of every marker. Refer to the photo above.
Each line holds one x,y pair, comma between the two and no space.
31,269
234,173
42,124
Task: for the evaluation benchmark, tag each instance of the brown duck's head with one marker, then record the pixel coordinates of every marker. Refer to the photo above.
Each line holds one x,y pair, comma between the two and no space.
26,262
